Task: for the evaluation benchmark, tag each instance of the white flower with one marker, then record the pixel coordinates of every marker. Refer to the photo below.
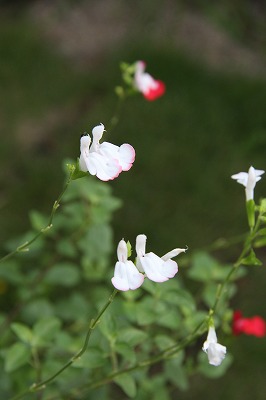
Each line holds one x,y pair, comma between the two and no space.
126,276
215,351
157,269
105,160
146,84
249,179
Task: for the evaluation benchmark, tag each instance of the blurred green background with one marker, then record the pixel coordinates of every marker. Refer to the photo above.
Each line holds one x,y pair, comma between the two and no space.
59,64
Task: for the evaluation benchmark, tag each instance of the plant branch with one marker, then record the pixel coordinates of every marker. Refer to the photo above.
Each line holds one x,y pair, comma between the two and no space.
25,246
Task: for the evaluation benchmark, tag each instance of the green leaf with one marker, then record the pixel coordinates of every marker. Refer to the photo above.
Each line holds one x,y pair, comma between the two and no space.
164,341
9,271
127,383
262,232
205,268
263,206
175,371
16,356
38,220
23,332
45,330
170,319
77,172
107,326
126,351
132,336
64,274
251,259
93,358
129,249
66,248
73,307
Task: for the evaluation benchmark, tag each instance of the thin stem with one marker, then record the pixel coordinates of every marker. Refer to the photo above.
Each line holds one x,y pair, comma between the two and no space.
246,249
25,246
41,385
163,355
116,116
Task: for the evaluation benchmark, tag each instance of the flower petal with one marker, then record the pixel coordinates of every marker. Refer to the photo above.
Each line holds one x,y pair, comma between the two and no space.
104,169
152,266
216,353
126,276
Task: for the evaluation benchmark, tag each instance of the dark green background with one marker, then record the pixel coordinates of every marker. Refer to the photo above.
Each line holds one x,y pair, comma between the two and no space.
210,124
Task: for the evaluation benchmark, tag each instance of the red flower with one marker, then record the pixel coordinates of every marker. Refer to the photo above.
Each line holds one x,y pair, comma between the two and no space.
155,91
150,88
255,326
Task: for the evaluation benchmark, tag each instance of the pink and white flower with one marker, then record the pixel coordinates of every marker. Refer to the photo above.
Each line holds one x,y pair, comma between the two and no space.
126,276
157,269
215,351
105,160
249,180
146,84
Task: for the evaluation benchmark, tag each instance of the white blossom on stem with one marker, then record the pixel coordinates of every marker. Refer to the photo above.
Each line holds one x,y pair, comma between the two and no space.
215,351
126,275
157,269
105,160
249,180
146,84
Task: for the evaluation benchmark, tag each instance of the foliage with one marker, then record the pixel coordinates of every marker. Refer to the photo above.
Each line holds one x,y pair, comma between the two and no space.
147,344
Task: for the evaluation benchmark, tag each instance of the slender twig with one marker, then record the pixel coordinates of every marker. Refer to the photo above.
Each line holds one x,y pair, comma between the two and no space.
246,249
25,246
93,323
163,355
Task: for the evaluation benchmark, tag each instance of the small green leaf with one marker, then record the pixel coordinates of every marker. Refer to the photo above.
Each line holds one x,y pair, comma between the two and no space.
93,358
126,351
45,330
251,259
63,274
175,371
127,384
263,206
164,341
16,356
23,332
129,249
262,232
38,220
107,326
132,336
205,268
77,174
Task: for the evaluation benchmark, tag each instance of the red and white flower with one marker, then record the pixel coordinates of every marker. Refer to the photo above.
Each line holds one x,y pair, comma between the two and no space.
146,84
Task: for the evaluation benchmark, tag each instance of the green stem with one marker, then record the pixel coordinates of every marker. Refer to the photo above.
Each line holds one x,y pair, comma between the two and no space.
41,385
119,105
245,251
163,355
25,246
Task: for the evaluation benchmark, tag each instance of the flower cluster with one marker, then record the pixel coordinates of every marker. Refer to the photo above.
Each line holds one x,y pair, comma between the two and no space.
105,160
255,326
215,351
127,276
146,84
